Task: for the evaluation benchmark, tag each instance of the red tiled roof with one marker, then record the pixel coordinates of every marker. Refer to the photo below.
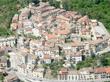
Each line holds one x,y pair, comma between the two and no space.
102,70
46,56
84,20
51,36
107,70
63,71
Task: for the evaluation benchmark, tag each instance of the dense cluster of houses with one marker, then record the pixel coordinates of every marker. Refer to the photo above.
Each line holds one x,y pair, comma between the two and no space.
84,74
8,41
46,34
11,78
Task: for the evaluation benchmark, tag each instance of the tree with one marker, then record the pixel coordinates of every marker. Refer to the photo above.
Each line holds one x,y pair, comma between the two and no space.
56,66
54,3
104,62
35,1
66,5
1,77
97,1
24,2
95,9
51,2
44,0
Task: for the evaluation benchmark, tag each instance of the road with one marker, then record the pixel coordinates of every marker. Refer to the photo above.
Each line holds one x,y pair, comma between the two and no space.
27,78
104,51
33,79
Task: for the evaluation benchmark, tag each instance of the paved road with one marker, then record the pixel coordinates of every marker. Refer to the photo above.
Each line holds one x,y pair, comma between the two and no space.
78,80
32,79
27,78
104,51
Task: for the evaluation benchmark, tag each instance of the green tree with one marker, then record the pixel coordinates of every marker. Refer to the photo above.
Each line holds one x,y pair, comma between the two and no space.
35,1
104,62
95,9
66,5
44,0
24,3
1,77
54,3
56,66
7,10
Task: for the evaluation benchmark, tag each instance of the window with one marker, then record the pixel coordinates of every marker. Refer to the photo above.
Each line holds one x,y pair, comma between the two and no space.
72,77
69,78
1,65
102,76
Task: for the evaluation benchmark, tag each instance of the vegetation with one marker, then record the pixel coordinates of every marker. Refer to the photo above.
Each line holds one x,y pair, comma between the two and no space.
7,56
1,77
89,62
5,31
7,9
98,61
54,3
68,39
32,37
35,1
95,9
55,66
44,0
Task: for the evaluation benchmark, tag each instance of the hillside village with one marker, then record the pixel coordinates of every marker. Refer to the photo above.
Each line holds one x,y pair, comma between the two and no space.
49,41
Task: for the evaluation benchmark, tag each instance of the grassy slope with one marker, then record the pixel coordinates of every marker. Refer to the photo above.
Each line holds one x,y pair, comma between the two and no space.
7,10
1,78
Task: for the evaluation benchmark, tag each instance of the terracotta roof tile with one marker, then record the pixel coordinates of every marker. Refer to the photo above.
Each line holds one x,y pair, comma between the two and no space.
102,70
46,56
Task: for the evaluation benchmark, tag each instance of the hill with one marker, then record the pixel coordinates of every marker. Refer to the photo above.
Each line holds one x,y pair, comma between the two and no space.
7,9
95,9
